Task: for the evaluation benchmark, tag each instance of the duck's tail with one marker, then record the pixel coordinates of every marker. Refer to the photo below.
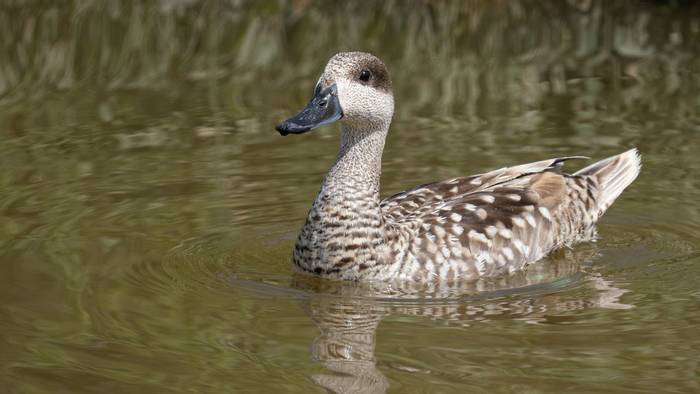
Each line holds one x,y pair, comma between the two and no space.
613,175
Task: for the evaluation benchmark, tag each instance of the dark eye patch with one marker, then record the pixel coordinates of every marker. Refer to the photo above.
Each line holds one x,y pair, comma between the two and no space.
371,72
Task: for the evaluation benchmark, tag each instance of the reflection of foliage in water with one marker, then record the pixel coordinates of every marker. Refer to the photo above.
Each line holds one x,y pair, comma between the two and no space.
491,57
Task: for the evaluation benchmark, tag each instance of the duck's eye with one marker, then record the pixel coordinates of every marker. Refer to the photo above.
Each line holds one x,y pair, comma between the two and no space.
364,75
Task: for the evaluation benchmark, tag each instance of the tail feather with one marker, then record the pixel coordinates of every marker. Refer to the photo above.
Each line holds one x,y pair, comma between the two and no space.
613,175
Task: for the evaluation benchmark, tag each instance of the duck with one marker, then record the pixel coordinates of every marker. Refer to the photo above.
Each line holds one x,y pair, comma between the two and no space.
466,228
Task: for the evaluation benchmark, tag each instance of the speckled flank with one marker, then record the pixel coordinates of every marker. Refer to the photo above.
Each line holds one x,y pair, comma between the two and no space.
483,225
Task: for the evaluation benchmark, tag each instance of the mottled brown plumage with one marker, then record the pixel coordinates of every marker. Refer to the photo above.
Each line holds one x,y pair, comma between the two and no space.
464,228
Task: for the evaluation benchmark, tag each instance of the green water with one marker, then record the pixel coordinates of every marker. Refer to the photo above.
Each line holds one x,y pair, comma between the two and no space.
148,208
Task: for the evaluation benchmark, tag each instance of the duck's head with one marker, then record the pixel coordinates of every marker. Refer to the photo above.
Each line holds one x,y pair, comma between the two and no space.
354,88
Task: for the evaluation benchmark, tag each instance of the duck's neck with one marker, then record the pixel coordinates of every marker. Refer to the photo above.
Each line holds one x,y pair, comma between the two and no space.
344,234
359,162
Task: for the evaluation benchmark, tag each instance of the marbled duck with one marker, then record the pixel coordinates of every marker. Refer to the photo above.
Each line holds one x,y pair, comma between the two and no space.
463,228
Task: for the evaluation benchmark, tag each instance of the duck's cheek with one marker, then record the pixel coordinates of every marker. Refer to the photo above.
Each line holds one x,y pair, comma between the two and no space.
362,104
347,97
377,110
384,106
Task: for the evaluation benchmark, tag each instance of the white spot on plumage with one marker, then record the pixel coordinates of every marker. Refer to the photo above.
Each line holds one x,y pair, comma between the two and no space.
475,235
529,208
508,252
439,231
439,259
454,190
505,233
429,266
470,207
530,220
545,212
488,199
457,229
519,245
519,222
445,251
491,231
455,217
426,226
501,260
514,197
481,213
476,181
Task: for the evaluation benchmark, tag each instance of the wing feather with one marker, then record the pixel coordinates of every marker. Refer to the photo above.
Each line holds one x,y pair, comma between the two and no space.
421,199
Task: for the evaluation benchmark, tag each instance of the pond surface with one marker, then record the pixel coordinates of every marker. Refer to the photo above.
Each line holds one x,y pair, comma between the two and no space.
148,208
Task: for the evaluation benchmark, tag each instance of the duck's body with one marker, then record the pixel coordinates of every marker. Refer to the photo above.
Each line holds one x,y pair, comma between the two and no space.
464,228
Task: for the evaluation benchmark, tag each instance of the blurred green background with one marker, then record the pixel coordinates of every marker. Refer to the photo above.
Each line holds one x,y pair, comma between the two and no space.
473,58
148,208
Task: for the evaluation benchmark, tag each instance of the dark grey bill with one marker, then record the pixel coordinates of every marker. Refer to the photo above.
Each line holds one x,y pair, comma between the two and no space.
323,108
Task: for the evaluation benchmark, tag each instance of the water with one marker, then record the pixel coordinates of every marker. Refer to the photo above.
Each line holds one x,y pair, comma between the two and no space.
148,208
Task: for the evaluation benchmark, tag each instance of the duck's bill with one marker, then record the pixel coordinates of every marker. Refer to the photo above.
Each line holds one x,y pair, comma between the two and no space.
323,108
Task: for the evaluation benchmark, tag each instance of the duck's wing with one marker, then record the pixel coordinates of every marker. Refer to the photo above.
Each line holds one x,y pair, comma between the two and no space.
504,227
421,199
515,216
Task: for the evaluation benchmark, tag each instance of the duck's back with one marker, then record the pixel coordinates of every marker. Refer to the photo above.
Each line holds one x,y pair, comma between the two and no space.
502,220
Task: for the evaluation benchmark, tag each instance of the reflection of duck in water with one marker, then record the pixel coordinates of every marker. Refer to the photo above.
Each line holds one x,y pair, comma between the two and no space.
348,314
463,228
